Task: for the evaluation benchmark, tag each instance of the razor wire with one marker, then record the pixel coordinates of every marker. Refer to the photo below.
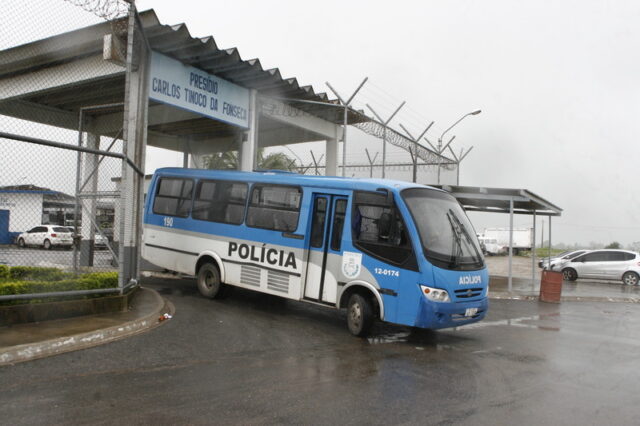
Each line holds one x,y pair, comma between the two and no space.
370,127
105,9
377,129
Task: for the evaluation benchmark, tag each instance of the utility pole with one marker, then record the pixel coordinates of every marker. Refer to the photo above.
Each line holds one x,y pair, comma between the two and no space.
346,120
384,133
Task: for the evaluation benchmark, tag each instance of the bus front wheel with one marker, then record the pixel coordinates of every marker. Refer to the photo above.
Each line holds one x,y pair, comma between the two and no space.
359,315
209,283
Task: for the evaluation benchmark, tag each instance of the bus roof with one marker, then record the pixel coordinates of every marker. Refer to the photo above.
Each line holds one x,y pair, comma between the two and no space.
282,177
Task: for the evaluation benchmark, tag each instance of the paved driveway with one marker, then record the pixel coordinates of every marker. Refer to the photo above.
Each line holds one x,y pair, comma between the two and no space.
256,359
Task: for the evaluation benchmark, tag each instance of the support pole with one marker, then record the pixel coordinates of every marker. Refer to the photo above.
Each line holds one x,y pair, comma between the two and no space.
134,147
89,205
346,104
384,133
533,252
510,244
331,149
414,154
249,144
384,150
370,161
549,241
344,140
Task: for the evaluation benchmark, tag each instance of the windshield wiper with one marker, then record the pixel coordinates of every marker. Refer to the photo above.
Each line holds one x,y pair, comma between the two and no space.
465,232
456,249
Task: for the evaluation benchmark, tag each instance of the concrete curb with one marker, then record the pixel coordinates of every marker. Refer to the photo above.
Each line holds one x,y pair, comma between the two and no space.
31,351
530,297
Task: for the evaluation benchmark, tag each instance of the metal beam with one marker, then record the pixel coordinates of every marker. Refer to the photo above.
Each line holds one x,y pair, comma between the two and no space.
323,128
58,77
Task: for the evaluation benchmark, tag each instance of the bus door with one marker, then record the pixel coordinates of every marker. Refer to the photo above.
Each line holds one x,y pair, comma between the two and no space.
325,252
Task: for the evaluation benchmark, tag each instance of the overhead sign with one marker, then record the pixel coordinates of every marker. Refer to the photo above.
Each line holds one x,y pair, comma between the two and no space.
173,83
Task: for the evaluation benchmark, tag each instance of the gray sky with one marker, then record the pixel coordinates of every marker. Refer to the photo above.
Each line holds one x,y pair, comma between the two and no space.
557,82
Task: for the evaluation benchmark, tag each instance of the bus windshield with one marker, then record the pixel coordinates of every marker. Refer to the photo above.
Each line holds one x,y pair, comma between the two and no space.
447,236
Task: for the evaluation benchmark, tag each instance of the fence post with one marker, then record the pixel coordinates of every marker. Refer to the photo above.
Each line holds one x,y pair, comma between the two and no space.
89,205
135,137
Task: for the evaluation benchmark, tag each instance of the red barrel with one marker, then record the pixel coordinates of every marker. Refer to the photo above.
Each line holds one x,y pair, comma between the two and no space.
550,286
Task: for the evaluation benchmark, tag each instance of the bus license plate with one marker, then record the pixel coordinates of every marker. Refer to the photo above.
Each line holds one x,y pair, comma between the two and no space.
469,312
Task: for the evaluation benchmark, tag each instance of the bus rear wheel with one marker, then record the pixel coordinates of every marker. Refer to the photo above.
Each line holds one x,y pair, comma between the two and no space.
209,283
359,315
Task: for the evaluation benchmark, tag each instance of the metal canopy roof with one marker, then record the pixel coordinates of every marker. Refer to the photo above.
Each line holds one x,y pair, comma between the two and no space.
83,48
171,40
497,200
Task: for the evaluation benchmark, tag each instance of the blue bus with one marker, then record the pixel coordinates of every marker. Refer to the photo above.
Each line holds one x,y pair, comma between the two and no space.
381,249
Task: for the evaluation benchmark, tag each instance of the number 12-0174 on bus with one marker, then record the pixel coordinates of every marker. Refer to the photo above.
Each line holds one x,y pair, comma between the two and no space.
388,250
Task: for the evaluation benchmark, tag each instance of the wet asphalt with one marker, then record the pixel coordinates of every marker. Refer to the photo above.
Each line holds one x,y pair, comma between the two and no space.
258,359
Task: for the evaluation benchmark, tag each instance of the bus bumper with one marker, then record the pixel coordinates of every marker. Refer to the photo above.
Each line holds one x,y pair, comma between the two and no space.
444,315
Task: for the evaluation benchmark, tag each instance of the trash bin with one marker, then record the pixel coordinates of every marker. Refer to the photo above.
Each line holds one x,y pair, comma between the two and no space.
550,286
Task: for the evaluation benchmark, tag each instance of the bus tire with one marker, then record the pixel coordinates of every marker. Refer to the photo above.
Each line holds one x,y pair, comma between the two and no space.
209,283
359,315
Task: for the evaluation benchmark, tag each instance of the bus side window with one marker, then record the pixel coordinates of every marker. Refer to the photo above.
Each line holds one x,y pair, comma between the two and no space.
274,207
379,228
319,218
173,197
220,201
338,224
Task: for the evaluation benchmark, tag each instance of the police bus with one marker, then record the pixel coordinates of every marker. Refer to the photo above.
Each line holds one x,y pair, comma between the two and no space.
395,251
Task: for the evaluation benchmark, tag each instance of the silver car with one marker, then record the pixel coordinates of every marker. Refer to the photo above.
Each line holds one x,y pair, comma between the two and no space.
560,259
605,264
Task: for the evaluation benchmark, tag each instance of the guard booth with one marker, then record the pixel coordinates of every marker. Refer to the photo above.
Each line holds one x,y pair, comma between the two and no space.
131,82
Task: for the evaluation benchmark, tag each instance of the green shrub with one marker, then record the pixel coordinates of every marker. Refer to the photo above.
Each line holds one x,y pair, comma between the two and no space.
34,273
4,272
32,280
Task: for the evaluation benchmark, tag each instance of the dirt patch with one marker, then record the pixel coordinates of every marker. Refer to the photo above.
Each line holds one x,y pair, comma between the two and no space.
521,267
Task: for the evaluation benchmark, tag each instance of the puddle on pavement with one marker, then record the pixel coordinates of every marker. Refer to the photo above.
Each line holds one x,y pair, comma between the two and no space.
389,338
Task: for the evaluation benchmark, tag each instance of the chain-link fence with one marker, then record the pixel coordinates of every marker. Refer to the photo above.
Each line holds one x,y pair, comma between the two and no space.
65,66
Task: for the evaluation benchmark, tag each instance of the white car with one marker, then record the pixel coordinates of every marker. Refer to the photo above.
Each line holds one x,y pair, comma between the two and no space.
560,259
604,264
98,240
46,236
491,246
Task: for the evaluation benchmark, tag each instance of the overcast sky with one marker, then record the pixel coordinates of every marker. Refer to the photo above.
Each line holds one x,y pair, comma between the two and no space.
557,82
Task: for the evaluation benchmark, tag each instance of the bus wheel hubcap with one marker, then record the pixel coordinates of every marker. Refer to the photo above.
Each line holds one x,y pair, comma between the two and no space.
355,314
208,280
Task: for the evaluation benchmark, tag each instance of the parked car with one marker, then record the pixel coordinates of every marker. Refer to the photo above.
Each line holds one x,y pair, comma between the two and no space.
46,236
99,241
604,264
491,247
560,259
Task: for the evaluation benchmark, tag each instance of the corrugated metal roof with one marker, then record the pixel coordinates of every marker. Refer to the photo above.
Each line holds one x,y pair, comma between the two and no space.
203,52
497,200
172,40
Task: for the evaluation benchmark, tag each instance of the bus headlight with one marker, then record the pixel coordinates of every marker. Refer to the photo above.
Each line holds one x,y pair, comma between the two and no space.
435,294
